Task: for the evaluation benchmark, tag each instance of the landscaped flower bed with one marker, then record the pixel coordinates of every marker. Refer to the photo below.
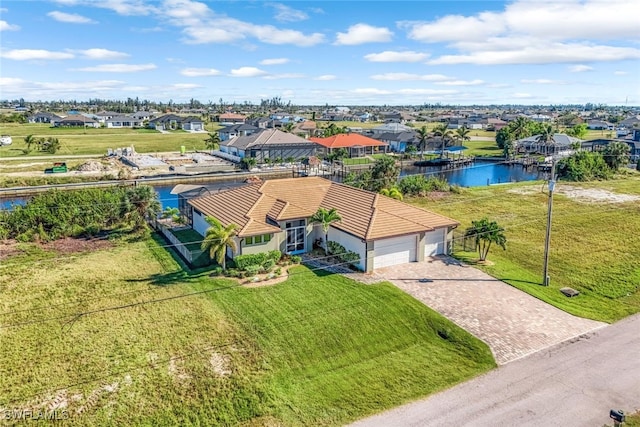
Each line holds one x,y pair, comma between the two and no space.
258,267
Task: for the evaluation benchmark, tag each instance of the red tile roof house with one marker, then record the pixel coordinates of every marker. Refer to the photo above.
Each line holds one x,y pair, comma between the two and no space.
357,145
276,215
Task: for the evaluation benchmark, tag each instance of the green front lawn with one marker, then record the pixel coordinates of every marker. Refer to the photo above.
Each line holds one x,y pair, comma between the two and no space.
313,350
594,245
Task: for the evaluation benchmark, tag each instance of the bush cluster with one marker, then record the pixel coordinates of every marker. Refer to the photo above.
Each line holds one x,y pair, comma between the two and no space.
261,259
584,166
340,252
419,185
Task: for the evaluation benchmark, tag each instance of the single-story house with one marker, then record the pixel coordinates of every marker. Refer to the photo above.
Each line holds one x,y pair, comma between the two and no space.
270,144
173,122
43,117
233,131
229,119
391,127
599,125
357,145
275,215
76,120
532,144
398,141
124,122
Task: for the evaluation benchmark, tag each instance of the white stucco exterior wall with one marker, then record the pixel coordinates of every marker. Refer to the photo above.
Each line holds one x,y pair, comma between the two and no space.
351,243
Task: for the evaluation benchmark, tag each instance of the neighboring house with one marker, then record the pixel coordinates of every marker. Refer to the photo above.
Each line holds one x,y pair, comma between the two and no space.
495,124
236,130
260,122
142,115
275,215
228,119
600,144
597,125
173,122
630,122
192,124
305,128
120,122
74,120
166,122
390,127
357,145
561,142
270,144
43,117
398,141
103,116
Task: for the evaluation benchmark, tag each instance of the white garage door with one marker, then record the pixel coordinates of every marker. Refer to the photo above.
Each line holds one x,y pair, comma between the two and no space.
434,243
394,251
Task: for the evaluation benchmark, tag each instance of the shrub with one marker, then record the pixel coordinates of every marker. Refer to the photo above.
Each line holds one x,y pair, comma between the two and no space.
419,185
217,271
242,261
296,259
335,248
350,256
268,265
252,269
584,166
232,272
278,271
275,256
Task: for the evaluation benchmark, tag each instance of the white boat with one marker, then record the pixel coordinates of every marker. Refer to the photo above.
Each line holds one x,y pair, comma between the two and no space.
5,140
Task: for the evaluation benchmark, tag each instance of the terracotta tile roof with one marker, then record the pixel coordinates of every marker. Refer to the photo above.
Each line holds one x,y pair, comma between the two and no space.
345,140
231,116
366,215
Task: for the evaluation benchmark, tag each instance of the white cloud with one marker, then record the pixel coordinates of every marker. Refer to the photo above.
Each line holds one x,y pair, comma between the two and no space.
371,91
620,73
10,81
71,18
363,33
326,77
391,56
201,25
456,27
184,86
475,82
118,68
288,14
548,54
543,82
580,68
102,54
247,72
34,54
274,61
200,72
55,90
521,95
408,76
5,26
541,32
284,76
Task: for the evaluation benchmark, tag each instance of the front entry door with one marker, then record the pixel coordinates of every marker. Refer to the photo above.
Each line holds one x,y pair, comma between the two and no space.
296,235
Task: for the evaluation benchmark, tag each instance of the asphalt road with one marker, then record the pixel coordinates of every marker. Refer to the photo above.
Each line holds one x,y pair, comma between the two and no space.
575,383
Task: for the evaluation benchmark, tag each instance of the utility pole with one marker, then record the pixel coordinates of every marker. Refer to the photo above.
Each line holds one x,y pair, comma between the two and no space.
552,184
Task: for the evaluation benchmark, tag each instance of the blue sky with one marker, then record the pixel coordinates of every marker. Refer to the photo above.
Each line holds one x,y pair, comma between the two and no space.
322,52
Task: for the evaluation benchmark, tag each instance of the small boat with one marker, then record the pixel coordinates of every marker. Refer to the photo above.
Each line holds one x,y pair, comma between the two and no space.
5,140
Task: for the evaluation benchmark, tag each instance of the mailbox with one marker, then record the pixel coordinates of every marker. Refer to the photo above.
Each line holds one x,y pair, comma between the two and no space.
617,415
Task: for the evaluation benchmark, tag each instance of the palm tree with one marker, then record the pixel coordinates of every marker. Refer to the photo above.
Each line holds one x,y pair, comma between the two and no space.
145,204
445,133
463,134
423,134
392,192
213,142
51,145
520,128
217,239
173,214
288,127
29,140
485,233
326,217
546,138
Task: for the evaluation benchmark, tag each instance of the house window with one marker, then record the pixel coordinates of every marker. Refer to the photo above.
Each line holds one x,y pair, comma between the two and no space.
256,240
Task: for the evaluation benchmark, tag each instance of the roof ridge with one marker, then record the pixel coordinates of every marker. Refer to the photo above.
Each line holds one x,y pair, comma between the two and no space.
374,208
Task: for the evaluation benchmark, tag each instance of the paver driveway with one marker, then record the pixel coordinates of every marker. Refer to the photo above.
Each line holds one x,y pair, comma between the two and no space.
510,321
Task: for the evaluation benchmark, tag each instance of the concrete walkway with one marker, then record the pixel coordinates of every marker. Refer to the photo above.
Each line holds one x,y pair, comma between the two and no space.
513,323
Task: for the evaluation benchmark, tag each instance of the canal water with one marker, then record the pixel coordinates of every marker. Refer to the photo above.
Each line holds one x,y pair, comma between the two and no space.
476,175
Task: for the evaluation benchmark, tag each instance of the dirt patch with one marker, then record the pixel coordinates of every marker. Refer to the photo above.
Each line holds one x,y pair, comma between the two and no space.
177,370
579,194
220,363
264,280
70,245
9,248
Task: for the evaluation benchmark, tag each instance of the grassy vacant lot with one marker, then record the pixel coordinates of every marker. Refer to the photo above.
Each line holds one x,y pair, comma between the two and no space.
314,350
482,148
97,141
594,245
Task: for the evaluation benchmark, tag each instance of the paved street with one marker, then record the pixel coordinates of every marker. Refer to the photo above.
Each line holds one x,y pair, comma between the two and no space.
575,383
513,323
